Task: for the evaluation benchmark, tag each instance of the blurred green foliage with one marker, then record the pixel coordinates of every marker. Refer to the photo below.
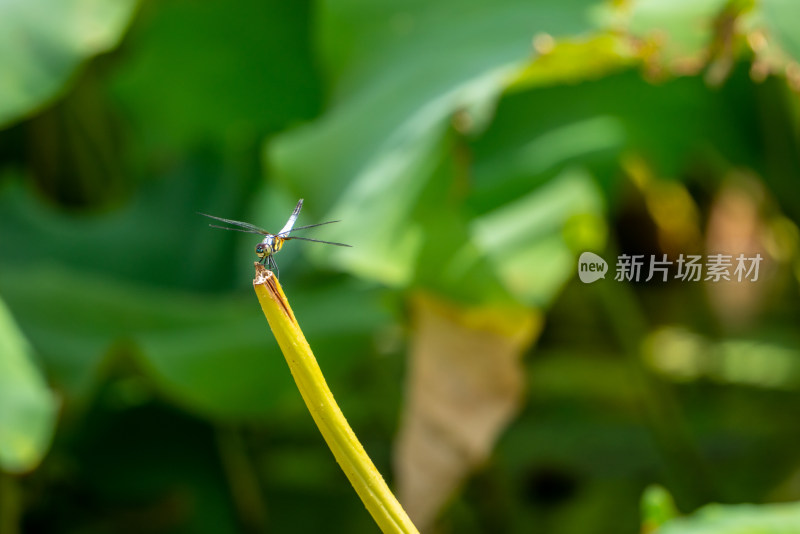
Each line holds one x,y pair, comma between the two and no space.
27,408
471,149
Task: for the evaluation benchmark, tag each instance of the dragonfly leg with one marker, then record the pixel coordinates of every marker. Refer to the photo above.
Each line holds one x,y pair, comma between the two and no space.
273,266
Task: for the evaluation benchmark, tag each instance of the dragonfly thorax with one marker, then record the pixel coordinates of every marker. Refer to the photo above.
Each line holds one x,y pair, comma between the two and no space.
269,246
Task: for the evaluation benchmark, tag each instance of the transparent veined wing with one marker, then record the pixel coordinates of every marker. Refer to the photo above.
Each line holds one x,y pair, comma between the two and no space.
318,241
243,226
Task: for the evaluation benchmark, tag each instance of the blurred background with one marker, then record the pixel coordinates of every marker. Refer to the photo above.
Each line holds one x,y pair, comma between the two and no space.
472,150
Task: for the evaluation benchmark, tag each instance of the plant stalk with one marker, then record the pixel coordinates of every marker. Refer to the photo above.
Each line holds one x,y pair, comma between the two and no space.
365,478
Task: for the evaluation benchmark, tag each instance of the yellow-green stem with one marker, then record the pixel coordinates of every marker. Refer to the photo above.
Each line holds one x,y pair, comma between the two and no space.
344,444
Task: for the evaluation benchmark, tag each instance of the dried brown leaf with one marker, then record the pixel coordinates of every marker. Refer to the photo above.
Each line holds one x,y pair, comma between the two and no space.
464,386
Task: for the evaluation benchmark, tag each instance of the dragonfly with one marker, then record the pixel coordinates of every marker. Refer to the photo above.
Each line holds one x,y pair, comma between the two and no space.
272,243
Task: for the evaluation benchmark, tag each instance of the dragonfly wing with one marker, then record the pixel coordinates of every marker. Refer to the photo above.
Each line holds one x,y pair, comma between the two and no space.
314,225
318,241
251,227
246,230
290,223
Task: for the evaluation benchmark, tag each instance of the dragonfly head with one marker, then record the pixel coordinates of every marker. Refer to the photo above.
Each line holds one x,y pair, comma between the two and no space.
262,250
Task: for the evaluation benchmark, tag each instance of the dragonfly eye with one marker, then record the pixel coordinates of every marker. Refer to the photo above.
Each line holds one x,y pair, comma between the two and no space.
260,250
